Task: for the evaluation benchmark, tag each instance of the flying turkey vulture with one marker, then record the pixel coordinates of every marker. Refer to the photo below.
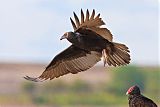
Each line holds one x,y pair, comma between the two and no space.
90,42
137,100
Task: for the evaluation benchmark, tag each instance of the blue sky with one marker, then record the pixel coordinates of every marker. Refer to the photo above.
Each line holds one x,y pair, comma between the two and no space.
30,29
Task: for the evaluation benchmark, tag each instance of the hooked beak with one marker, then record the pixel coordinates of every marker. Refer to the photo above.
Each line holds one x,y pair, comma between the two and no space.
63,37
127,93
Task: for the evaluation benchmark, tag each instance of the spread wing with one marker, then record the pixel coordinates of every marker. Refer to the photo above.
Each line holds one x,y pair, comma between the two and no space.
72,60
93,23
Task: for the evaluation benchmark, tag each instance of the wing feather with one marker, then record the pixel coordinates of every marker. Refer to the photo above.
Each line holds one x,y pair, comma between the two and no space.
82,16
76,19
73,24
93,14
87,16
74,63
93,23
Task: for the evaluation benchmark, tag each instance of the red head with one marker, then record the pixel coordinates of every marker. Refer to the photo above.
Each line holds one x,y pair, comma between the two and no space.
133,90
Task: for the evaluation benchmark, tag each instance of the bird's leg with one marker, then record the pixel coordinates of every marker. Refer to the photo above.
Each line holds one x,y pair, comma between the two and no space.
104,56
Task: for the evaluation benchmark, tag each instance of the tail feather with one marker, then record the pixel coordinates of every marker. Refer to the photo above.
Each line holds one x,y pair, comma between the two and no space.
119,58
113,62
116,62
121,46
123,55
117,54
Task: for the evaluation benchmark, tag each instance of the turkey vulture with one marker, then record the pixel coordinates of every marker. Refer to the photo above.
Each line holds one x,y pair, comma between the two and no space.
137,100
90,43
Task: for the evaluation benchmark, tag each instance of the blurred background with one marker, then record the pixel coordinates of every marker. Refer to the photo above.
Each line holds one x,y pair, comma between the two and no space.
29,39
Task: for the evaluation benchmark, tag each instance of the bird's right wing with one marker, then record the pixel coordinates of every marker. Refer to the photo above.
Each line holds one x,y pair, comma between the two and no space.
72,60
91,22
149,102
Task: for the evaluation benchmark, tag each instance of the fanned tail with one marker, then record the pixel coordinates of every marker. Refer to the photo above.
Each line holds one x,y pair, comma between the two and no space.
116,55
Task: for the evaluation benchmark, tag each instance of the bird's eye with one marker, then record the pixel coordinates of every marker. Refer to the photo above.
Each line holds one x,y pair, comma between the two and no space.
65,34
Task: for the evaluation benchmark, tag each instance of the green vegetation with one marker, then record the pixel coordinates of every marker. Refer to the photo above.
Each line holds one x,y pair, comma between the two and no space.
81,92
125,77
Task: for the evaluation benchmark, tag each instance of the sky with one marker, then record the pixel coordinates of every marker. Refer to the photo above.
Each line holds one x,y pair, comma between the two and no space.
30,29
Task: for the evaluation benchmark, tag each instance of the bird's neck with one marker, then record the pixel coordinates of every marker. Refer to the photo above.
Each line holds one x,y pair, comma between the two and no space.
73,38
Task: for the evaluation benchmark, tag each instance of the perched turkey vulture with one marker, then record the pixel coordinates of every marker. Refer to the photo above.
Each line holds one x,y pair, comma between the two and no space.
137,100
90,43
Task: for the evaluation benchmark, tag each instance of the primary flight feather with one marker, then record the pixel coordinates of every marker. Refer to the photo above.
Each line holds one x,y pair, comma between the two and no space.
90,42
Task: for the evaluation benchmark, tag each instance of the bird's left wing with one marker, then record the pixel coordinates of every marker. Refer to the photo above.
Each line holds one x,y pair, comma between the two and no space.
72,60
93,23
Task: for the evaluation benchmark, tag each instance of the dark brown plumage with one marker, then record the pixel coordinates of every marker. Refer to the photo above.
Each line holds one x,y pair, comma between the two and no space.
137,100
90,42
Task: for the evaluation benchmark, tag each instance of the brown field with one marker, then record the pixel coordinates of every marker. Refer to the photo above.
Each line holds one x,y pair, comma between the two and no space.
12,75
